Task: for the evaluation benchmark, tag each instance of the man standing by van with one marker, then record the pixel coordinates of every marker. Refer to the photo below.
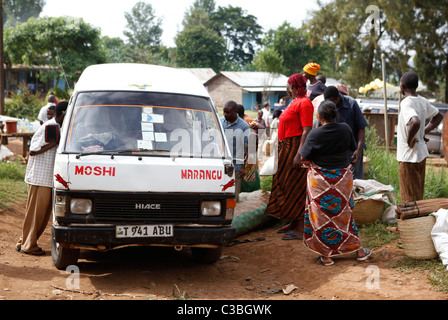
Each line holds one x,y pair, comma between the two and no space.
39,177
236,131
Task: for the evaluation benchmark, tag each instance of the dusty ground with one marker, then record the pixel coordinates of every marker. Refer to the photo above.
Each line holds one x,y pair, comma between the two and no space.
251,270
246,271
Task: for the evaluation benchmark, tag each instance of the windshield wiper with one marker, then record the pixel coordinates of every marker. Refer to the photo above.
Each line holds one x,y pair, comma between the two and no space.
112,153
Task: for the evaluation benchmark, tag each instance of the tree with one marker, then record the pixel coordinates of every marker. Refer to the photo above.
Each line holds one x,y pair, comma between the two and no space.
115,50
292,45
196,17
342,25
241,32
199,47
199,13
144,27
427,37
67,44
19,11
270,62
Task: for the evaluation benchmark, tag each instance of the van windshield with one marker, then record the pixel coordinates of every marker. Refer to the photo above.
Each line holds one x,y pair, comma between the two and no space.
144,123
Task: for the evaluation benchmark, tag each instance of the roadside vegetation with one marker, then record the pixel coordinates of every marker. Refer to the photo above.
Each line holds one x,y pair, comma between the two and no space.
12,186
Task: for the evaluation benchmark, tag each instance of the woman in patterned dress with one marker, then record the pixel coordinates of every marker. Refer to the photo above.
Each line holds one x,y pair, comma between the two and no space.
330,229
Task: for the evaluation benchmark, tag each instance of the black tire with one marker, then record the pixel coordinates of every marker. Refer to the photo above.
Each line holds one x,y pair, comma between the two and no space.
62,257
206,255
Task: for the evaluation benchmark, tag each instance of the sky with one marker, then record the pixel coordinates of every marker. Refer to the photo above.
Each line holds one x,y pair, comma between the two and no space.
108,15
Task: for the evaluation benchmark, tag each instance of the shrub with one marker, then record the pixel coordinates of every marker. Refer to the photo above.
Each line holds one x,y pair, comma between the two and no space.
24,104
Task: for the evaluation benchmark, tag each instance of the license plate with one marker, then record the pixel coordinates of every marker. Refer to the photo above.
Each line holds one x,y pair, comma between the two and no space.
144,231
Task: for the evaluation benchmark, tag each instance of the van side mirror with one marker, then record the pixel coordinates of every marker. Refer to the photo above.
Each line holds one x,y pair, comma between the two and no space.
52,133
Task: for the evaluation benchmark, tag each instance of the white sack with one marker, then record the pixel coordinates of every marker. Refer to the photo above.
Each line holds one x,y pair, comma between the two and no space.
269,167
5,152
439,235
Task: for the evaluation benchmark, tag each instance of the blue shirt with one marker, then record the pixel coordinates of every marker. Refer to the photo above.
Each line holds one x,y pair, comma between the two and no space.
237,136
351,114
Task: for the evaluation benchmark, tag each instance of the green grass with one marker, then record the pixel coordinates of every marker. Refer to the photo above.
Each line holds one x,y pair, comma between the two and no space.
376,235
12,187
383,167
434,270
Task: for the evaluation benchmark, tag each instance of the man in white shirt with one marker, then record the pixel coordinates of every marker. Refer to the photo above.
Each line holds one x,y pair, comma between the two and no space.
411,145
39,177
42,117
267,114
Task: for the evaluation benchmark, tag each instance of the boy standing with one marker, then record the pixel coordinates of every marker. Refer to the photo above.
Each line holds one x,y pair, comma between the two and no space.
411,146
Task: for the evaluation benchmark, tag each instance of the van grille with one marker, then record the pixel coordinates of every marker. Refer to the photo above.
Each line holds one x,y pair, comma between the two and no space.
138,210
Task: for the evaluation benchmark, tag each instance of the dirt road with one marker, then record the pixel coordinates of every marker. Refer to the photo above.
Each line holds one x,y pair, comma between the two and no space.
253,270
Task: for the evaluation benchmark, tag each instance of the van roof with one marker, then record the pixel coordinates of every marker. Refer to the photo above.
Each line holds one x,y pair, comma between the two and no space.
139,77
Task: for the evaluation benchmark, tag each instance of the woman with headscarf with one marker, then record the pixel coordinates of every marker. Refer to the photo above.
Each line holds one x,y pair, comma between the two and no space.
330,229
287,200
316,87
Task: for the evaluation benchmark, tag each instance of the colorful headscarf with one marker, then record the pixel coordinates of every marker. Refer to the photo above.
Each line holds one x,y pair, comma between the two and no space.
311,68
298,81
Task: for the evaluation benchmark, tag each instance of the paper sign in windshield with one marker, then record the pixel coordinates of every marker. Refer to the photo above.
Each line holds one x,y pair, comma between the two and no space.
148,136
160,136
144,144
147,126
153,118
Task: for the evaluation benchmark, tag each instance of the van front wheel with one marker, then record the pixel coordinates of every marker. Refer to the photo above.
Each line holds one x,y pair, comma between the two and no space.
206,255
62,257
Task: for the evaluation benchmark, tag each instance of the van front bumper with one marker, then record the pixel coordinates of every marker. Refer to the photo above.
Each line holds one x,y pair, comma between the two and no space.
105,236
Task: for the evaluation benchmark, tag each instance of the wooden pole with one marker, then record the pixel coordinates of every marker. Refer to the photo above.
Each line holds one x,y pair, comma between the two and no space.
386,127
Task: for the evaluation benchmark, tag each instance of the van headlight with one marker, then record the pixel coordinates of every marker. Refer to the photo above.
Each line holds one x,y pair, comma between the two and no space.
80,206
211,208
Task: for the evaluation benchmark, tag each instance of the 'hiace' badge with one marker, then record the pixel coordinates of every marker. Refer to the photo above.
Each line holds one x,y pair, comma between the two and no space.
147,206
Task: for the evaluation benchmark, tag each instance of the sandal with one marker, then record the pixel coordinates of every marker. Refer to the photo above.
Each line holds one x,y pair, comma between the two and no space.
284,229
321,261
39,252
292,236
367,254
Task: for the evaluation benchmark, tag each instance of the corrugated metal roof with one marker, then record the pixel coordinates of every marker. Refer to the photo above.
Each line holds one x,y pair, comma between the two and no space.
261,89
203,74
249,80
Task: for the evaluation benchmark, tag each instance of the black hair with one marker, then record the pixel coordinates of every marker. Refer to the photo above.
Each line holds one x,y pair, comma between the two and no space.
240,110
61,108
410,80
331,92
52,107
277,113
327,111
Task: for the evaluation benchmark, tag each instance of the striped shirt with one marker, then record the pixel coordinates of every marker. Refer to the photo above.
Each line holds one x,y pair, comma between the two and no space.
39,171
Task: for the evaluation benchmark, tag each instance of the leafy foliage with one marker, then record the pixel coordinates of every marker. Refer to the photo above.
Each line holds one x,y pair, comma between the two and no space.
200,47
292,45
143,25
23,104
19,11
241,32
66,44
269,60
